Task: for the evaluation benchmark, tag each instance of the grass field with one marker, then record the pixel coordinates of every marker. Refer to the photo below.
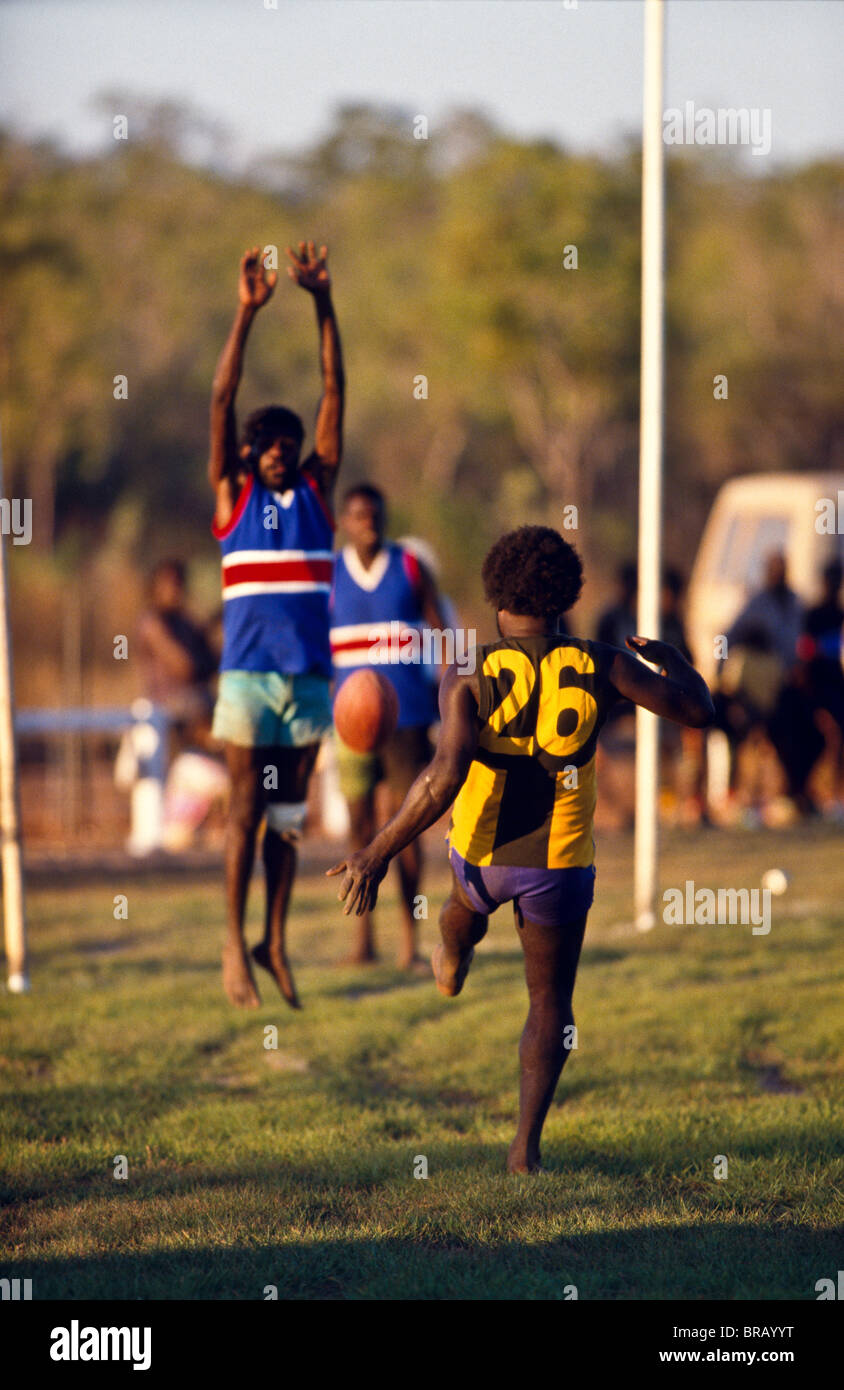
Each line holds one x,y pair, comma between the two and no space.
293,1167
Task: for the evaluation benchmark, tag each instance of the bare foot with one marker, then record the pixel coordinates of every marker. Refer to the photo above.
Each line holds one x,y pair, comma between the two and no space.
520,1161
450,971
277,964
237,978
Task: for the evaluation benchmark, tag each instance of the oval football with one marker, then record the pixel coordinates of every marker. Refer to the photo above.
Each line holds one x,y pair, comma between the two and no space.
366,711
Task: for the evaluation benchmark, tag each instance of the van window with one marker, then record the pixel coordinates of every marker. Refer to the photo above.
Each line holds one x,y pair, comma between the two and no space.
748,542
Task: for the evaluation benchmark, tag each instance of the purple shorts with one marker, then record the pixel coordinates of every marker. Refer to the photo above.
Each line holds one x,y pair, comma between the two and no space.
548,897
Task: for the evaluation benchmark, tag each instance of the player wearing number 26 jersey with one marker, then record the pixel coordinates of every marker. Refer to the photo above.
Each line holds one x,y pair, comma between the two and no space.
517,751
529,795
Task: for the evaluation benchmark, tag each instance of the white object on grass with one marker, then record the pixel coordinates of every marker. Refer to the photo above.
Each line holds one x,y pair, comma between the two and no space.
776,880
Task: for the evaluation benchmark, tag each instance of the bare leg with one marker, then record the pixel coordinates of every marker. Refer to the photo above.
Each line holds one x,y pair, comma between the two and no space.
461,928
551,957
271,953
294,768
246,806
362,831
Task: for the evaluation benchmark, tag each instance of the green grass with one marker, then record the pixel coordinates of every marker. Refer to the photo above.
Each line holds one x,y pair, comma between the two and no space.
294,1167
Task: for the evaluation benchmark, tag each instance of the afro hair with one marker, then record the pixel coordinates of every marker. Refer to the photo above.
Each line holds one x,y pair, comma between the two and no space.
533,572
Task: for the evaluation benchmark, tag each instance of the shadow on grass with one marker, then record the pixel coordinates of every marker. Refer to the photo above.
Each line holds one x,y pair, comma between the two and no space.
714,1260
648,1167
358,986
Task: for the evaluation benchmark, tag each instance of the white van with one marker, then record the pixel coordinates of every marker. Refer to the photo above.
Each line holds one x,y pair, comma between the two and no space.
751,517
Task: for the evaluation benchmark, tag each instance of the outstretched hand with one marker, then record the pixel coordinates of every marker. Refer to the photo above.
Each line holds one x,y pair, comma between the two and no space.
359,889
256,284
309,269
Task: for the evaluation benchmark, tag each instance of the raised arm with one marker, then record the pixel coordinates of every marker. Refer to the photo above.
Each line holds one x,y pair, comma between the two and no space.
678,692
255,287
432,793
311,272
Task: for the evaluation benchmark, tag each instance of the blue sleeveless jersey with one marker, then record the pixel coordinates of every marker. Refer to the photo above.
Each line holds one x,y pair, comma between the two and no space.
376,619
276,580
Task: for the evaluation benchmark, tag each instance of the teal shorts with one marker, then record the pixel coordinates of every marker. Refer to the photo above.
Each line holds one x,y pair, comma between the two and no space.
262,709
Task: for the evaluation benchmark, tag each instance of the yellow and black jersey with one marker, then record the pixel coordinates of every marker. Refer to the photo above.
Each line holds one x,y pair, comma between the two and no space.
529,797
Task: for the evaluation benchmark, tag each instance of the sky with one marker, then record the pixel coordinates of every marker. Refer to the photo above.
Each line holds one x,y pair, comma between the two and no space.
273,76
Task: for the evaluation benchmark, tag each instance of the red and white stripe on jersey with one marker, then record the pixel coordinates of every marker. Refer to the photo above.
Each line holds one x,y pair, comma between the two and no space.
276,572
352,643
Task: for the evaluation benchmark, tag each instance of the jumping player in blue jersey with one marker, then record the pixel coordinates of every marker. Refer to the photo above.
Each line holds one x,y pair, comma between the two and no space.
274,523
382,596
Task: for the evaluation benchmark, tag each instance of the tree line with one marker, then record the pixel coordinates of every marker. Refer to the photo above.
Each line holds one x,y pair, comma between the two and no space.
504,272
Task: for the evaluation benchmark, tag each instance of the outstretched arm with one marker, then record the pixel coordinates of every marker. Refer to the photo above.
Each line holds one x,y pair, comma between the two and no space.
255,287
311,272
678,692
432,793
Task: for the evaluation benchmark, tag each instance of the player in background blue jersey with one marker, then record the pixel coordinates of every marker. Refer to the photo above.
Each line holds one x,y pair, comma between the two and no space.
273,521
382,594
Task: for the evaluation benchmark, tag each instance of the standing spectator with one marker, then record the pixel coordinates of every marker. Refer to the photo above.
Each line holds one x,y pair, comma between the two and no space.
618,622
683,746
821,645
672,626
177,658
773,619
179,663
773,684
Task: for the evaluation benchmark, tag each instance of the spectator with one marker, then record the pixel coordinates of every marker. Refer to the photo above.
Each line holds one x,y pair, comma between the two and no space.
765,685
683,747
177,659
773,619
619,620
820,648
615,624
672,627
179,662
821,645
